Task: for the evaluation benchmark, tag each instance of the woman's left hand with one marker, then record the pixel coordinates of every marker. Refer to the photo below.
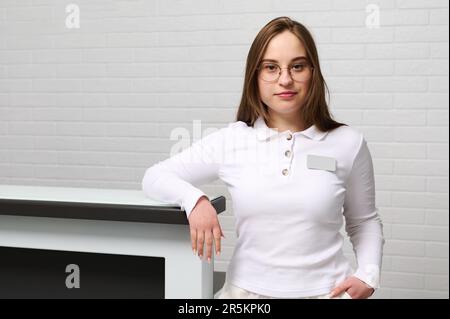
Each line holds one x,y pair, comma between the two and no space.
356,288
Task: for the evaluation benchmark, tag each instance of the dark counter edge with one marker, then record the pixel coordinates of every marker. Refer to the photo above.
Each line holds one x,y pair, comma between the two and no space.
99,211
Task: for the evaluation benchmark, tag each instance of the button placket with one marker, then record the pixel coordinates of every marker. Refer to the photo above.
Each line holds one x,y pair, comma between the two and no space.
288,154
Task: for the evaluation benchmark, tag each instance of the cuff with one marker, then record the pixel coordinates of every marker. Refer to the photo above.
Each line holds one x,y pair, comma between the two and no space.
369,274
191,200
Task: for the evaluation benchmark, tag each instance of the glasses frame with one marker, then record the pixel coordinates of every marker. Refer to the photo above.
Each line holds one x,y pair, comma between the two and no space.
281,71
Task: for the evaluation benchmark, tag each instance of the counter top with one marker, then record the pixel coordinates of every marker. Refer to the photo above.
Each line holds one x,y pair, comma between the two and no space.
92,203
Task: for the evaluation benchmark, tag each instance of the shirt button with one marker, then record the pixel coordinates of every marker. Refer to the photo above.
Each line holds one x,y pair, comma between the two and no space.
289,137
287,153
285,171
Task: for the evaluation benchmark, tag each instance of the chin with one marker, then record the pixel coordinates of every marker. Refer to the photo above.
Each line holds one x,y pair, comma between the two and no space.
286,110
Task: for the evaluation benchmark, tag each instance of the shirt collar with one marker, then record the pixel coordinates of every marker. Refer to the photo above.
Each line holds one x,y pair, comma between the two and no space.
264,132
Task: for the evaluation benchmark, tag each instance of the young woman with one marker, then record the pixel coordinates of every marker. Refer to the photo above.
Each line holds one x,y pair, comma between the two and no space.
294,175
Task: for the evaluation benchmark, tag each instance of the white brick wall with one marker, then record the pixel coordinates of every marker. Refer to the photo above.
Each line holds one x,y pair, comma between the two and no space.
95,106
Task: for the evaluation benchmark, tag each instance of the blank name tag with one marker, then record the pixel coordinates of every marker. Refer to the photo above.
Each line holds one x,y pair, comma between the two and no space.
321,162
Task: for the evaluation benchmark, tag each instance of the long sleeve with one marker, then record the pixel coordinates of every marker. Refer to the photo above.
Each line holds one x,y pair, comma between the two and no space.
175,180
363,223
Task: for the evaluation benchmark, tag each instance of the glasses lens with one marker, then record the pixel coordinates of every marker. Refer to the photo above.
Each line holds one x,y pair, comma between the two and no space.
269,72
300,72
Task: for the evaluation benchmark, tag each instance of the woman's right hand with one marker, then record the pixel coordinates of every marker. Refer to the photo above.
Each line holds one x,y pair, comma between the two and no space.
205,228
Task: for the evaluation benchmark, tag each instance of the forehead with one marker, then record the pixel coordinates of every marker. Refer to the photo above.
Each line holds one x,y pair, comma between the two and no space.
284,47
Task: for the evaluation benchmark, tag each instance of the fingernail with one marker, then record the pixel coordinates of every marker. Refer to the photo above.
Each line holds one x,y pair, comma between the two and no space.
209,260
218,253
194,251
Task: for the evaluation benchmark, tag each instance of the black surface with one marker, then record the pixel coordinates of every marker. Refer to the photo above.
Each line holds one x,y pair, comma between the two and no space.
98,211
39,273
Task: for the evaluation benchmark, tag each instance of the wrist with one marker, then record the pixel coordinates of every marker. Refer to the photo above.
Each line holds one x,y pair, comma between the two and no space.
201,200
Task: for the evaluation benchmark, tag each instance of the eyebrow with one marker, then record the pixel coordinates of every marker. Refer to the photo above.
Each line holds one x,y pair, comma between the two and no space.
294,59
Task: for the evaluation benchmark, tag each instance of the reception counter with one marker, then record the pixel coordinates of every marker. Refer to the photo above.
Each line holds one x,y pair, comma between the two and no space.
61,242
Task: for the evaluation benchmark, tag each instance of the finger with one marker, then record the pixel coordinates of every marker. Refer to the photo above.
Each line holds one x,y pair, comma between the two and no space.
340,289
352,293
200,240
217,232
194,240
337,291
209,244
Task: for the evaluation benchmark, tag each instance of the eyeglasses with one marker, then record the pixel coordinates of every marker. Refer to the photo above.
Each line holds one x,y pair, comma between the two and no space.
271,72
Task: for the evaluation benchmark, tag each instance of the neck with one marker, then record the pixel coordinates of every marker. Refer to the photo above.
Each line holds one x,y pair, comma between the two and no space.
284,122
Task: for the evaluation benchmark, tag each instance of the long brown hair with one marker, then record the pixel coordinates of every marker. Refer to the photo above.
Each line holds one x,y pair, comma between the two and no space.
315,108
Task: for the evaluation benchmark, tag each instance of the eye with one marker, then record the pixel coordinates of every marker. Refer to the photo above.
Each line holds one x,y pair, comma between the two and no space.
270,67
298,66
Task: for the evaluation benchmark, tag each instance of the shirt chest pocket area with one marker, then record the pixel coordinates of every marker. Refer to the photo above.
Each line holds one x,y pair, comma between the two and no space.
323,191
321,176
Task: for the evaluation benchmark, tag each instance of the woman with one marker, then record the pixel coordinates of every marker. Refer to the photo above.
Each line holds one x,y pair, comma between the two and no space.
293,174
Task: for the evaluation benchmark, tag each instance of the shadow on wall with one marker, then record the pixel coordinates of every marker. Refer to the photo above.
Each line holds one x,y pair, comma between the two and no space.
218,280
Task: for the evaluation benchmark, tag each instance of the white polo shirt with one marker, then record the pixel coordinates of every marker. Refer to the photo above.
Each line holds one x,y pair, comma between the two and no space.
290,193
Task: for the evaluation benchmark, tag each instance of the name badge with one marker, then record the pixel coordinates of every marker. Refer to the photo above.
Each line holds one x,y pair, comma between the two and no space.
321,162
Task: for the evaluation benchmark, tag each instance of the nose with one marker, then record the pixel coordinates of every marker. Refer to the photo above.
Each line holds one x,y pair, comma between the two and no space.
285,77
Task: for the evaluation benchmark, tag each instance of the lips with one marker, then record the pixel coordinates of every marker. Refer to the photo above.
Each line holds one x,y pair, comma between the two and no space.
286,94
